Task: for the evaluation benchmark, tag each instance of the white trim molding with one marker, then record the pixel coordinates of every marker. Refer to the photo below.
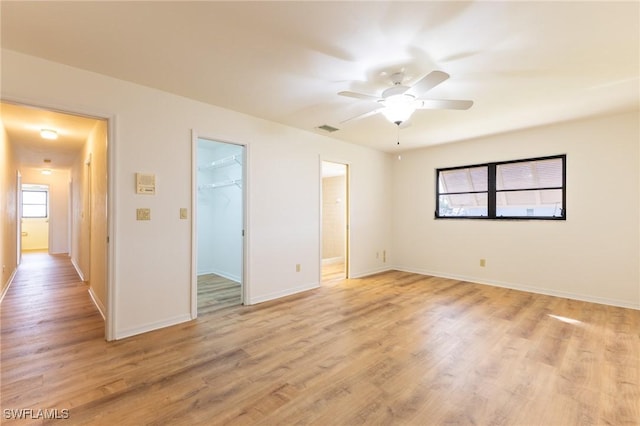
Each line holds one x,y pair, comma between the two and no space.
527,288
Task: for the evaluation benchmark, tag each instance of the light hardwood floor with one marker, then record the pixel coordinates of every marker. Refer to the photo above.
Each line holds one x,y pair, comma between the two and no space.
333,271
393,349
216,292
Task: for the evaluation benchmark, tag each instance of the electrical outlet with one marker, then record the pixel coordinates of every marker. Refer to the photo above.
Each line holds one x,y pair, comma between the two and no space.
377,255
297,267
483,262
384,256
143,214
183,213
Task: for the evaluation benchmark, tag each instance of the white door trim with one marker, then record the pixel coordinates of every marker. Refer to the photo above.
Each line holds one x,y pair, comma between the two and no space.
347,260
110,118
246,288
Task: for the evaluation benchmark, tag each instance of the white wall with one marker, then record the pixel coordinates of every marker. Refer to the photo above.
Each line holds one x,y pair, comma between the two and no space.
220,215
593,255
58,182
153,134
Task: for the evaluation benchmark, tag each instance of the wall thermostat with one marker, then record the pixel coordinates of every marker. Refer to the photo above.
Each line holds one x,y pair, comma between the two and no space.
145,183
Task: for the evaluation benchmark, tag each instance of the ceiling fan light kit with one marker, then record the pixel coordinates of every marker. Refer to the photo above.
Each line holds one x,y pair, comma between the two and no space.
399,108
399,102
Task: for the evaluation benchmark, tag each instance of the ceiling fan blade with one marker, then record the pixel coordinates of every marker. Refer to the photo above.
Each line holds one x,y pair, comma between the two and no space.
445,104
428,82
364,115
358,95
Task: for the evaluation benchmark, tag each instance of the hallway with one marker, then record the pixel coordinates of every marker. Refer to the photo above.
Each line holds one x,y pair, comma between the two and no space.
49,307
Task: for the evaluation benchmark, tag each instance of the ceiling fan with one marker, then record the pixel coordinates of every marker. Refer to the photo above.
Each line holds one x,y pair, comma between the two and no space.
399,102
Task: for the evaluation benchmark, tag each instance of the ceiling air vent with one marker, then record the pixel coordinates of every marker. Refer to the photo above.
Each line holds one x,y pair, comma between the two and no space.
328,128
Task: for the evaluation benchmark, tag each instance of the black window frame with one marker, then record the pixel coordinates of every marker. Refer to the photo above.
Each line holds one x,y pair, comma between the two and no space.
46,203
492,191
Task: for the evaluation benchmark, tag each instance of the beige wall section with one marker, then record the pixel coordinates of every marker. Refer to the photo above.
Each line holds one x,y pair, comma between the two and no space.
98,245
35,234
80,212
8,211
89,211
334,217
593,255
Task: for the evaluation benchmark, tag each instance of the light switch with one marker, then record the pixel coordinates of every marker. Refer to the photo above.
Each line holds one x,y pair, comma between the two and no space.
183,213
143,214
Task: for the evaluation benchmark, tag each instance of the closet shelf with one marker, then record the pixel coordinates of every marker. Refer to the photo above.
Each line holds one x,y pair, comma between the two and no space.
231,182
226,161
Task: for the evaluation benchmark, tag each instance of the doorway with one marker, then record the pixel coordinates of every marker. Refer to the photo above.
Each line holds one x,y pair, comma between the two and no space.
62,168
34,218
335,221
219,213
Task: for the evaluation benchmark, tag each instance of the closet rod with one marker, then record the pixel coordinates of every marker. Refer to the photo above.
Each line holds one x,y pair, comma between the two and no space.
226,161
236,182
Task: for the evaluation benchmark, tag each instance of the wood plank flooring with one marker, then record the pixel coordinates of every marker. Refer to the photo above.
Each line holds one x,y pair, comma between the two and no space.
333,271
393,349
216,292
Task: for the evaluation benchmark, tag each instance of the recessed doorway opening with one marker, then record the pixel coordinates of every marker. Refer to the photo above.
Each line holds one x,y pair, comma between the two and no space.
335,221
219,225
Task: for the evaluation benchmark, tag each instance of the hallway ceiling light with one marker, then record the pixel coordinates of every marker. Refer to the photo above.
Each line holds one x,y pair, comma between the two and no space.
46,172
49,134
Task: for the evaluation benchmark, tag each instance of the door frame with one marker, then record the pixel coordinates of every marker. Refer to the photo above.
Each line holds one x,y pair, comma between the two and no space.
347,249
245,295
110,119
19,218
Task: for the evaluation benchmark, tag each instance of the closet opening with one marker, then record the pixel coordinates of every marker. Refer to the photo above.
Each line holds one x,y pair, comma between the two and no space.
219,225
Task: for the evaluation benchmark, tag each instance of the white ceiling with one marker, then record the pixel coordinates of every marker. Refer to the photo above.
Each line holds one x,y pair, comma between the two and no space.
523,63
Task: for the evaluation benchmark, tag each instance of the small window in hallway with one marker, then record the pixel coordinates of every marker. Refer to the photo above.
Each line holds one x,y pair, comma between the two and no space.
34,201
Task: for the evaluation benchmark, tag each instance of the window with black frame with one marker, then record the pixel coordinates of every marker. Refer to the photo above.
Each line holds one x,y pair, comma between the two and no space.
532,188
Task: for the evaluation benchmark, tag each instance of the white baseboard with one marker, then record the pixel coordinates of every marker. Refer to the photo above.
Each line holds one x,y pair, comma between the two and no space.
128,332
283,293
363,274
529,289
222,274
98,303
77,268
9,282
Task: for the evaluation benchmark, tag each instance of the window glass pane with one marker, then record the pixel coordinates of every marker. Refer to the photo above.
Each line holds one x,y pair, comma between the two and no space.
529,174
547,203
549,172
34,210
464,180
34,197
519,189
463,205
34,203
